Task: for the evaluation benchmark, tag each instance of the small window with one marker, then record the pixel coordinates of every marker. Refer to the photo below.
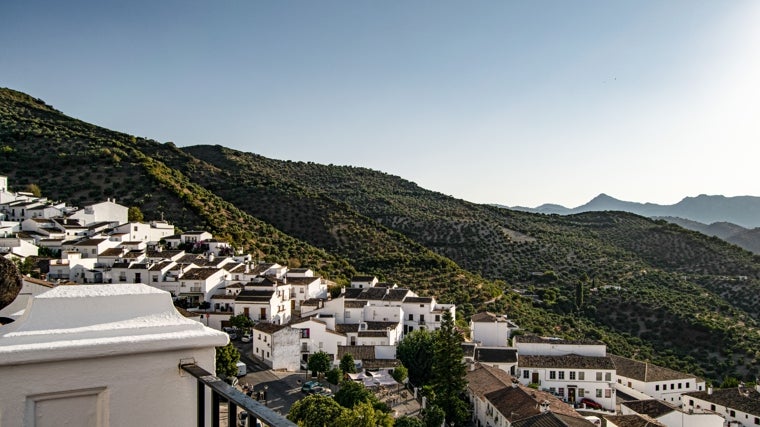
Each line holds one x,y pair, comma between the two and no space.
733,413
526,373
562,375
422,305
657,387
437,317
712,408
572,375
607,393
552,375
581,392
679,386
598,376
411,316
581,375
608,376
599,392
672,386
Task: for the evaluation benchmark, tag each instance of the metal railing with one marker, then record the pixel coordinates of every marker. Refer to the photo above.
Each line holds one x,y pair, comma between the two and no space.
235,398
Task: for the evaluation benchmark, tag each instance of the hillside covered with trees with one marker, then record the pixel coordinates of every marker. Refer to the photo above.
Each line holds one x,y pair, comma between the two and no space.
648,288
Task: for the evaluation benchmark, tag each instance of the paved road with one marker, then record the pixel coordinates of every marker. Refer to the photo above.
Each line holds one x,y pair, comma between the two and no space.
282,388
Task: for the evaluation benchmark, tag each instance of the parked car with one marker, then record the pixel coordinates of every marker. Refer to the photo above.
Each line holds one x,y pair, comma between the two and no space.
324,391
590,403
309,386
246,337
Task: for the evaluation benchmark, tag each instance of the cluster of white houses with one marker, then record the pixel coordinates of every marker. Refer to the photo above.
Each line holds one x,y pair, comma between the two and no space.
514,380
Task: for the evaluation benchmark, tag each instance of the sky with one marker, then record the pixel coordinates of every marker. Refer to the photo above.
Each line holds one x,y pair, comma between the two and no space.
508,102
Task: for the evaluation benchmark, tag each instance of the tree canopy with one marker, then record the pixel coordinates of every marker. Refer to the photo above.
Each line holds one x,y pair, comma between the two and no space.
415,351
319,362
227,358
449,371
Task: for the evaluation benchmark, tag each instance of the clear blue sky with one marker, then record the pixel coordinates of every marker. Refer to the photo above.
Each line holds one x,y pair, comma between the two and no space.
518,103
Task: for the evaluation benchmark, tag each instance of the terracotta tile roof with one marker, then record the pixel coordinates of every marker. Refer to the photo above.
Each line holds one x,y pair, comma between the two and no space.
566,361
373,364
354,304
495,355
90,242
634,420
550,419
397,294
313,302
40,282
523,402
373,294
651,407
224,297
346,328
534,339
352,293
373,334
358,352
483,379
645,371
300,281
486,316
255,296
268,328
743,399
115,252
380,326
418,300
199,273
160,265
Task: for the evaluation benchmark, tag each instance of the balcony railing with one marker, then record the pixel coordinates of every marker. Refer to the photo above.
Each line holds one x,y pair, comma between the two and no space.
235,398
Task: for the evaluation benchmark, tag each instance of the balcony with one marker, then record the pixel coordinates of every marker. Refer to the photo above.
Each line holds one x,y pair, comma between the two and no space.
234,397
421,322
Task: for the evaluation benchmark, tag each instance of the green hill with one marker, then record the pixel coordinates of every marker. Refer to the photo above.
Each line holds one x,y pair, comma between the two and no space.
647,288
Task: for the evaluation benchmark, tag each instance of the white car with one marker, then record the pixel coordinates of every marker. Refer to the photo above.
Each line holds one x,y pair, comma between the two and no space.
246,338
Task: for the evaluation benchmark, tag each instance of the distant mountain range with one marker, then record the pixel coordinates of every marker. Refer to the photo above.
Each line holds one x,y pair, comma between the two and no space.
734,219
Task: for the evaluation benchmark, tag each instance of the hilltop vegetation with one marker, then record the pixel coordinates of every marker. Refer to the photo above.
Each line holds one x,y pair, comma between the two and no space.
647,288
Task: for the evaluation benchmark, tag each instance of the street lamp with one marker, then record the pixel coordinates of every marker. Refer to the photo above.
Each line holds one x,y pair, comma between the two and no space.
266,402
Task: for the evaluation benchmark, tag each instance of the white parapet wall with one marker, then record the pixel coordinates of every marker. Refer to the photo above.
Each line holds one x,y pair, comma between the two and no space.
102,355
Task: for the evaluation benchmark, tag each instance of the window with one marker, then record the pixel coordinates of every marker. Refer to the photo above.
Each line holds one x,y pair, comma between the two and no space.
305,333
733,413
300,290
552,390
581,392
687,385
411,316
712,408
265,338
572,375
757,421
581,375
599,392
562,375
672,386
608,376
657,387
437,317
679,386
598,376
321,344
552,375
422,305
561,391
526,373
348,315
607,393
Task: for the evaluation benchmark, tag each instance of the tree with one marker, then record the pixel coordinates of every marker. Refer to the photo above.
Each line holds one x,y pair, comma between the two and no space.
347,364
315,411
433,416
227,358
409,422
729,382
34,189
364,415
449,371
334,375
400,373
319,363
134,214
241,321
351,393
415,351
579,295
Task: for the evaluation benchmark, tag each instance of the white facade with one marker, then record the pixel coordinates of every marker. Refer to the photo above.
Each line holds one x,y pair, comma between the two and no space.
571,377
655,381
18,247
151,232
528,345
90,355
733,404
29,289
491,330
278,346
315,337
108,211
680,418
